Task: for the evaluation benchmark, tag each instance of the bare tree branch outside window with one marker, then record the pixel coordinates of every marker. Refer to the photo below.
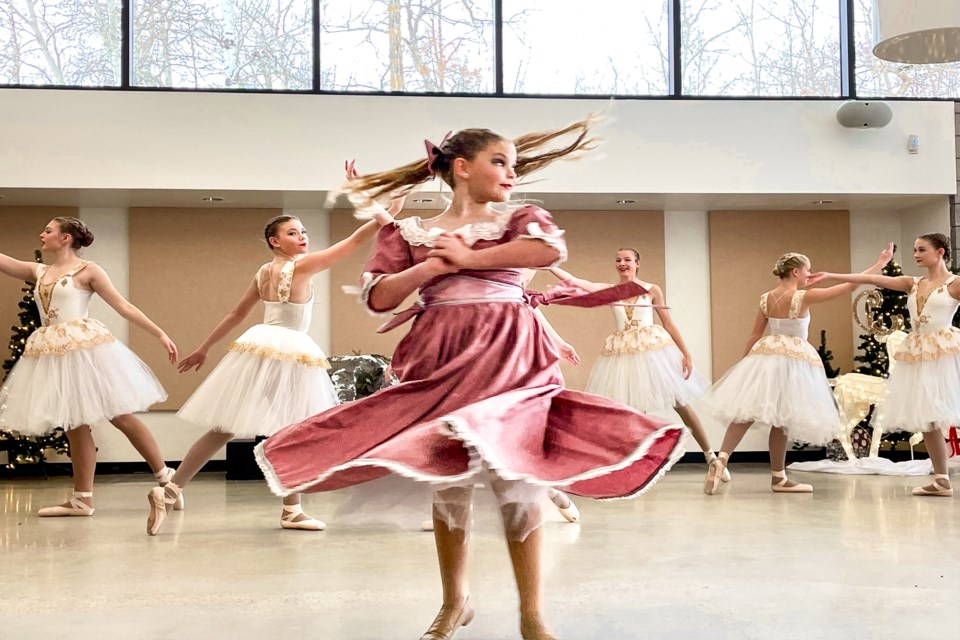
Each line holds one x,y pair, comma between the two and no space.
60,42
414,46
233,44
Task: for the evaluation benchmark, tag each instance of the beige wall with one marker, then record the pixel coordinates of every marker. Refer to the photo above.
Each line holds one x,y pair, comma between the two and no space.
745,245
21,236
588,235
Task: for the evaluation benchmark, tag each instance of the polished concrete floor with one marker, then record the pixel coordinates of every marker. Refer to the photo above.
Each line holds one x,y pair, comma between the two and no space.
860,558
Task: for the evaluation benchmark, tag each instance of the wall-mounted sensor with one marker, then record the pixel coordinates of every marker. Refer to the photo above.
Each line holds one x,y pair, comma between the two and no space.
913,143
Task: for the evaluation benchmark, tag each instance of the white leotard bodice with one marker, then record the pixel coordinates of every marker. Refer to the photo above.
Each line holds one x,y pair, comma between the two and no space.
282,312
62,300
791,325
936,312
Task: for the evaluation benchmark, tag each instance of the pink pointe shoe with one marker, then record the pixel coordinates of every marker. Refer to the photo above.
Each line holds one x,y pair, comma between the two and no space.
75,507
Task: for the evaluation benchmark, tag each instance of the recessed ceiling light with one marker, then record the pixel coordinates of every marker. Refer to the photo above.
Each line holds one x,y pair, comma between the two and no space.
422,200
822,202
213,199
626,201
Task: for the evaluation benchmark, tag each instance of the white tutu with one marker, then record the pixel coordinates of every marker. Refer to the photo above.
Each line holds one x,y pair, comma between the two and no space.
781,383
270,378
644,369
923,391
71,374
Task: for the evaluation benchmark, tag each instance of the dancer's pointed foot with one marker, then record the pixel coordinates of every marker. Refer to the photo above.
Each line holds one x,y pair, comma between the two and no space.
449,620
565,505
779,483
940,488
161,499
293,517
80,504
714,475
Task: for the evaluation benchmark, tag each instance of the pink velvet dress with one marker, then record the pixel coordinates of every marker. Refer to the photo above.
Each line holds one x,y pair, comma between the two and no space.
480,391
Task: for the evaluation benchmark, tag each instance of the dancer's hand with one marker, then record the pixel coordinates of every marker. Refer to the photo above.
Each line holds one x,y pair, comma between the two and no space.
569,354
887,254
452,249
170,347
686,366
438,267
816,278
193,361
350,167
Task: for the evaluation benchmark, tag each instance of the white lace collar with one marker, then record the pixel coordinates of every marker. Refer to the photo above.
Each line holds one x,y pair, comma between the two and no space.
413,230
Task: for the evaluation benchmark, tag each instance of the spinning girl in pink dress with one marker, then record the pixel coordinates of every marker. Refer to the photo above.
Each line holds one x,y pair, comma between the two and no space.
480,395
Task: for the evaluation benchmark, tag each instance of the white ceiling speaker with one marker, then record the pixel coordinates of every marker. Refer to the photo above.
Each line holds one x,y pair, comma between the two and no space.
864,114
916,31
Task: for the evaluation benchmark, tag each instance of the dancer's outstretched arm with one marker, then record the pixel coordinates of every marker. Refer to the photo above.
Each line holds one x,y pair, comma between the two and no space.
100,282
869,276
313,263
659,301
230,322
17,268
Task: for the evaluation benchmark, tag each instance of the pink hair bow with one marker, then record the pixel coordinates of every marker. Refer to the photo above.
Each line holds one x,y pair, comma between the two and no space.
434,152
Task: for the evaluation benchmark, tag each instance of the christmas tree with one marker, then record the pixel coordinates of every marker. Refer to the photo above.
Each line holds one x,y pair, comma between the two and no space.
27,449
826,356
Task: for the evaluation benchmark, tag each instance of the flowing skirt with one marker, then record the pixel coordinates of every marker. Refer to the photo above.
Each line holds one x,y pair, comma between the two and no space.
480,399
270,377
646,374
71,374
782,388
923,390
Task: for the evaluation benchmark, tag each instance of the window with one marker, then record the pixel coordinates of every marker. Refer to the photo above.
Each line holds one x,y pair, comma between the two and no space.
879,78
231,44
760,47
406,45
602,47
60,42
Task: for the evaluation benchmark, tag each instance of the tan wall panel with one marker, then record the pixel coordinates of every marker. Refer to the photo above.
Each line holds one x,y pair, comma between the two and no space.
593,238
21,236
745,245
188,268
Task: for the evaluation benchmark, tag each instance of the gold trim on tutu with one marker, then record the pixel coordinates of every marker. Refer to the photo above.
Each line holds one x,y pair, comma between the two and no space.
276,354
789,346
919,347
62,338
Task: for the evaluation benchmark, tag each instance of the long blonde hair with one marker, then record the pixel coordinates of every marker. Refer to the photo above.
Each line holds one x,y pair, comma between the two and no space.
467,143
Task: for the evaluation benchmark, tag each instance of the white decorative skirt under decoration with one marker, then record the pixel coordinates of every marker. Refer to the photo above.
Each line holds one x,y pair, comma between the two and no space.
271,377
786,391
923,391
71,374
644,369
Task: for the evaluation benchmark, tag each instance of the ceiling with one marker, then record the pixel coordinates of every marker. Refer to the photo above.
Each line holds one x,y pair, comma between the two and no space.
433,200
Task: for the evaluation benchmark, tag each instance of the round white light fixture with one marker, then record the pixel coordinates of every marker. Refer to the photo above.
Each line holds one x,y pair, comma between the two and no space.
916,31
